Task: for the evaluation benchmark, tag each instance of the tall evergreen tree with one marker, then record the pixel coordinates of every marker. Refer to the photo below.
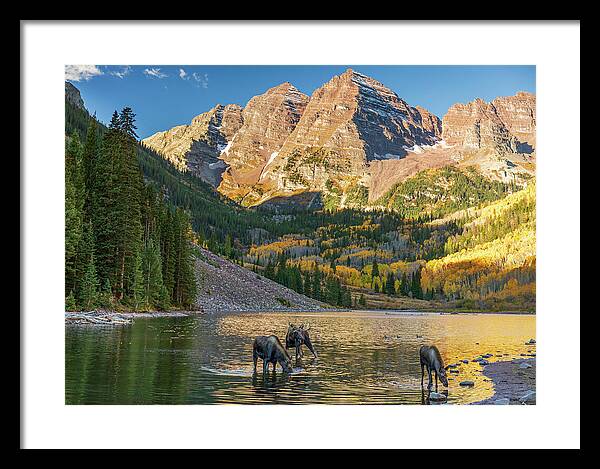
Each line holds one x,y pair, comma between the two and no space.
389,284
89,287
152,274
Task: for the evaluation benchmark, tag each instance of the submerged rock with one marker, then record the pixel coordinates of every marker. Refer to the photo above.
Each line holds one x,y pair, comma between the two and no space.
525,365
502,401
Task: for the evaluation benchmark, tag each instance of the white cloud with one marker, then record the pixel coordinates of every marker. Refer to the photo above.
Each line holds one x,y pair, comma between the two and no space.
81,72
201,79
155,72
124,71
183,75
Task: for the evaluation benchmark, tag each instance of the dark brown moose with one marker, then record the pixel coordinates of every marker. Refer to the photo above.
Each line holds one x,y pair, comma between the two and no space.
430,357
270,350
296,337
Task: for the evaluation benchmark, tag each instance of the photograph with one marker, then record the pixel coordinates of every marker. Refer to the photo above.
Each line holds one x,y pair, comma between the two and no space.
300,234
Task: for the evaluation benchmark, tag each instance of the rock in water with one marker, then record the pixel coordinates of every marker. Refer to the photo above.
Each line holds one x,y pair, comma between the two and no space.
525,365
502,401
467,383
436,396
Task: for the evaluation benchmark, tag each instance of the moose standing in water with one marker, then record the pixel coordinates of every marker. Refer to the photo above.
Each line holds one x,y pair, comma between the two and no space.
430,357
270,350
296,337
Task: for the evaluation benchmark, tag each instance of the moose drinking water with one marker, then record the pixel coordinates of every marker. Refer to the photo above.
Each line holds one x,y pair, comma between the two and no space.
296,337
270,350
430,357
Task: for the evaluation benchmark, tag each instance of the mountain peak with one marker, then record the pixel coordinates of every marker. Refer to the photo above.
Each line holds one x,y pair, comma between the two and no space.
73,95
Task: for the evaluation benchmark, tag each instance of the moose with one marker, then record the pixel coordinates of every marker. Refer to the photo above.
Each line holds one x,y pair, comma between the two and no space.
430,357
270,350
296,337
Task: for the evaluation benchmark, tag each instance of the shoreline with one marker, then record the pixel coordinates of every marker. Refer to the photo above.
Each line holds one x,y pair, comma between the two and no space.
74,315
514,382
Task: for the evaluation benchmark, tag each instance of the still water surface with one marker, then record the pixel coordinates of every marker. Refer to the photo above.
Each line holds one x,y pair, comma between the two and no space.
363,358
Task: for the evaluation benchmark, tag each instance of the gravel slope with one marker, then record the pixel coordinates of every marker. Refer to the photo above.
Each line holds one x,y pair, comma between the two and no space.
224,286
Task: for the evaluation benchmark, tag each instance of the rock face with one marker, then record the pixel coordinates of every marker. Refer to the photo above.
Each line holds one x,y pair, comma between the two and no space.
498,137
518,115
73,95
348,122
268,119
197,147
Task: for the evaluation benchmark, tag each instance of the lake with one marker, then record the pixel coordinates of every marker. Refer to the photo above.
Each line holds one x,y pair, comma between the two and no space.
363,358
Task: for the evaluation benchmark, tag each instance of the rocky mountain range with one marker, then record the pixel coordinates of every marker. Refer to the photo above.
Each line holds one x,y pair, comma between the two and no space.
352,136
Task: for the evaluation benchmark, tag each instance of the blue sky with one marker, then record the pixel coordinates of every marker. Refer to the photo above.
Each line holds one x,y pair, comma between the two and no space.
165,96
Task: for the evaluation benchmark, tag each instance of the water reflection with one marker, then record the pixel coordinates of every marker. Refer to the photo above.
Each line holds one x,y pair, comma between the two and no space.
363,358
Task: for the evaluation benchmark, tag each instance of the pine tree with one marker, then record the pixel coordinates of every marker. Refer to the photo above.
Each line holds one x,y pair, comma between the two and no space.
389,284
307,284
316,284
375,270
415,288
167,241
89,287
90,157
152,274
164,302
105,295
404,285
228,248
138,297
84,257
70,303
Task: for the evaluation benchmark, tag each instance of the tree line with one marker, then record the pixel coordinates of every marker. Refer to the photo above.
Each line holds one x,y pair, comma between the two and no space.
125,248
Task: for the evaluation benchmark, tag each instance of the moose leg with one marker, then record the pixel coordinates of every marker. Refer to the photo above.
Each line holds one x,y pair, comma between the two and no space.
254,359
265,365
429,374
310,346
436,380
422,373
